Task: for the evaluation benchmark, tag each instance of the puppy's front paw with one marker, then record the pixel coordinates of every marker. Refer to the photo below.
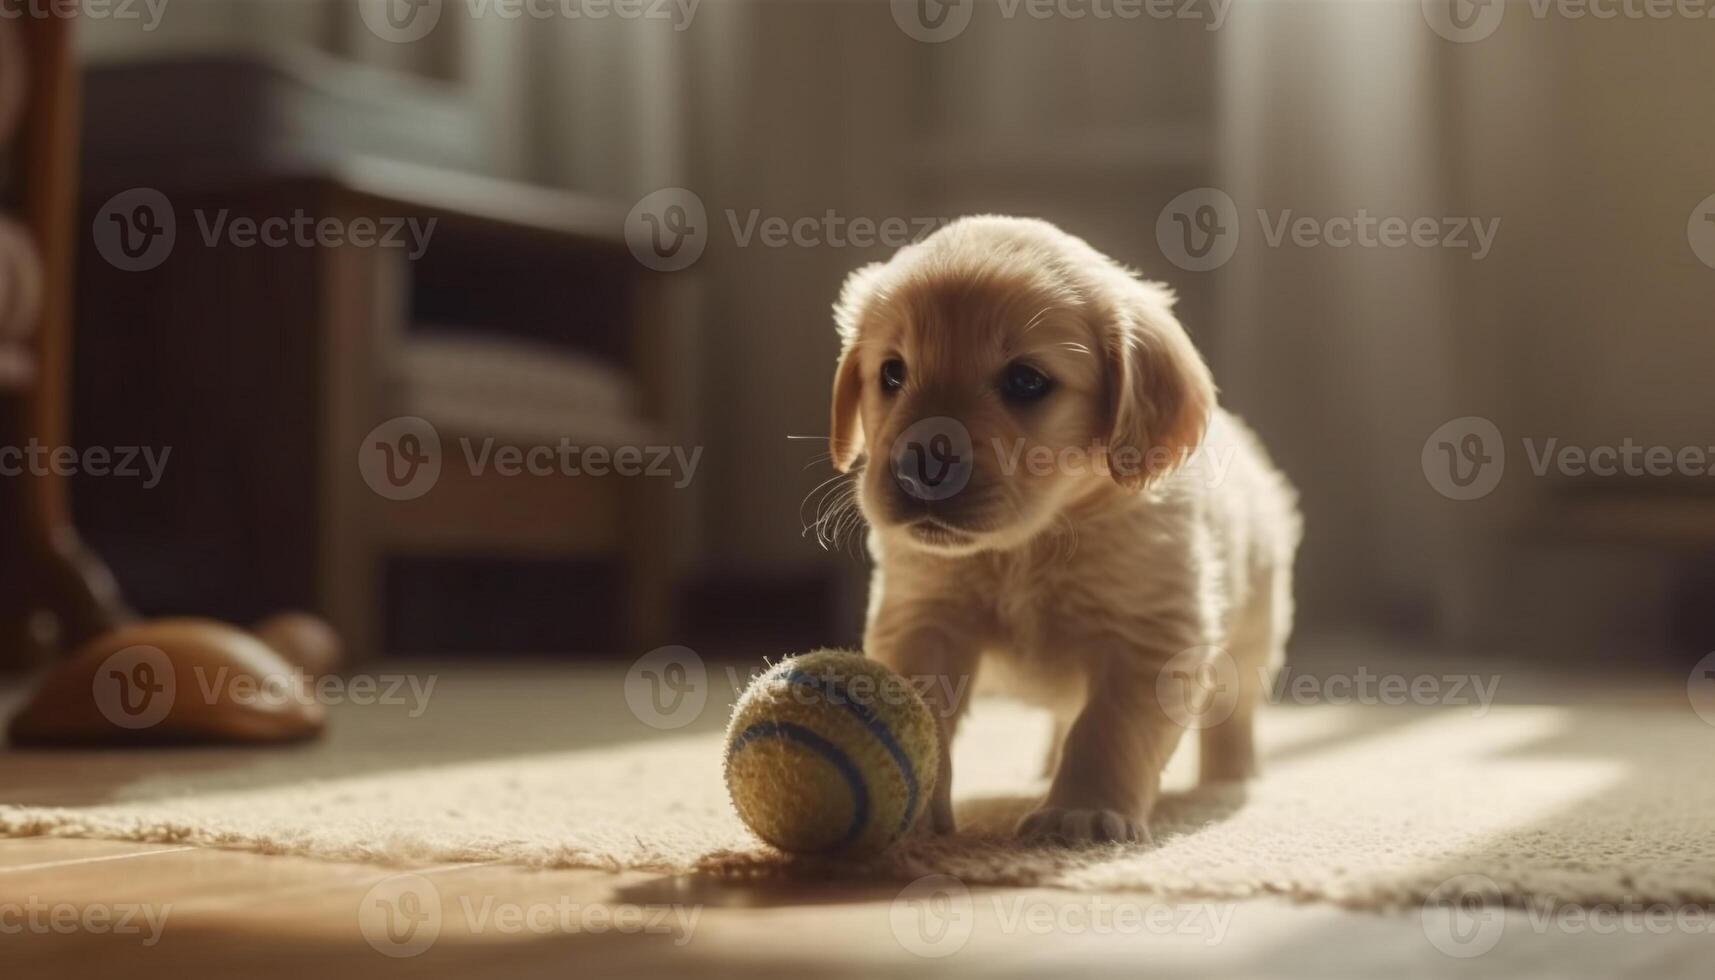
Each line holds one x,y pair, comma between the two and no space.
1075,826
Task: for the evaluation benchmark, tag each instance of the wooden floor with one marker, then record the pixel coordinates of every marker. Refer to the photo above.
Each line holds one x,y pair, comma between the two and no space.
78,908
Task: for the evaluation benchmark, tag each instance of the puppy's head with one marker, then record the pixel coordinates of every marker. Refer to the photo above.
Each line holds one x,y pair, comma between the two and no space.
1000,371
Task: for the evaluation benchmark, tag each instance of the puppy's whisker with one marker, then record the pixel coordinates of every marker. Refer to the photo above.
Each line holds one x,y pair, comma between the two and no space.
838,536
825,501
829,482
854,521
844,516
828,525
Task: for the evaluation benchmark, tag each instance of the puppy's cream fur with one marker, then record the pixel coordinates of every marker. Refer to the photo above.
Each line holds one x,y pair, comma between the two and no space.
1114,536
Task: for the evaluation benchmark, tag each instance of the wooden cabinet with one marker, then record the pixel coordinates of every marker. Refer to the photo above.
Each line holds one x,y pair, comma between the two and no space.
269,369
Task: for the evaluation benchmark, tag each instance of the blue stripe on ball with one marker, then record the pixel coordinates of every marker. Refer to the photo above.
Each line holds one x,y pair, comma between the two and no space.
787,732
829,689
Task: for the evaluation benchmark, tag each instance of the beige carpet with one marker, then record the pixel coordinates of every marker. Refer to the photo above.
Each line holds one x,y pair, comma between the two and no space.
1366,807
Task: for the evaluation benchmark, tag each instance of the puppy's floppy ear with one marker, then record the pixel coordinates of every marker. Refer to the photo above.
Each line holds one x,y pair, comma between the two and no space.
1160,393
845,429
845,425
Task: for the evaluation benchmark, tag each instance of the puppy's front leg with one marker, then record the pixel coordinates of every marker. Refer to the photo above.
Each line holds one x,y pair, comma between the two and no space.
1110,764
942,669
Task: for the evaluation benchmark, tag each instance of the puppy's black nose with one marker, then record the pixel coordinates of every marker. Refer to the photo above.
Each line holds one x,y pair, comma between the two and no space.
932,460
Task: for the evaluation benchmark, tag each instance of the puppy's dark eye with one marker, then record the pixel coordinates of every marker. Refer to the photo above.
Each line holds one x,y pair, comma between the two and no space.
1023,383
892,374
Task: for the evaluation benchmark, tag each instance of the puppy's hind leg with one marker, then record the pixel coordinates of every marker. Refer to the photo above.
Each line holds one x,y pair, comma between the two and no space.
1227,749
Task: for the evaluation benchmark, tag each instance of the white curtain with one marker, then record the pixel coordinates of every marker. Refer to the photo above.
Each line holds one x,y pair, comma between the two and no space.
1342,357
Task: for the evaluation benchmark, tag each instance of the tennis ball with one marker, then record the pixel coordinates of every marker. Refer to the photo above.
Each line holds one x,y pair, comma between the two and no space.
830,752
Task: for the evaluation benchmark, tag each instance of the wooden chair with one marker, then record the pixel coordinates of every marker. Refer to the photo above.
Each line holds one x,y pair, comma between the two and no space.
54,594
57,600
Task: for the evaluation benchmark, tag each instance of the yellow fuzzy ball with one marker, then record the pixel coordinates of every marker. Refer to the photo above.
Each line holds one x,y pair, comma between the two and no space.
830,752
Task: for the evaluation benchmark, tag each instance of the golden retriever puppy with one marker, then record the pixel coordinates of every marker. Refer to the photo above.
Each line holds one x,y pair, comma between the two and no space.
1055,501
